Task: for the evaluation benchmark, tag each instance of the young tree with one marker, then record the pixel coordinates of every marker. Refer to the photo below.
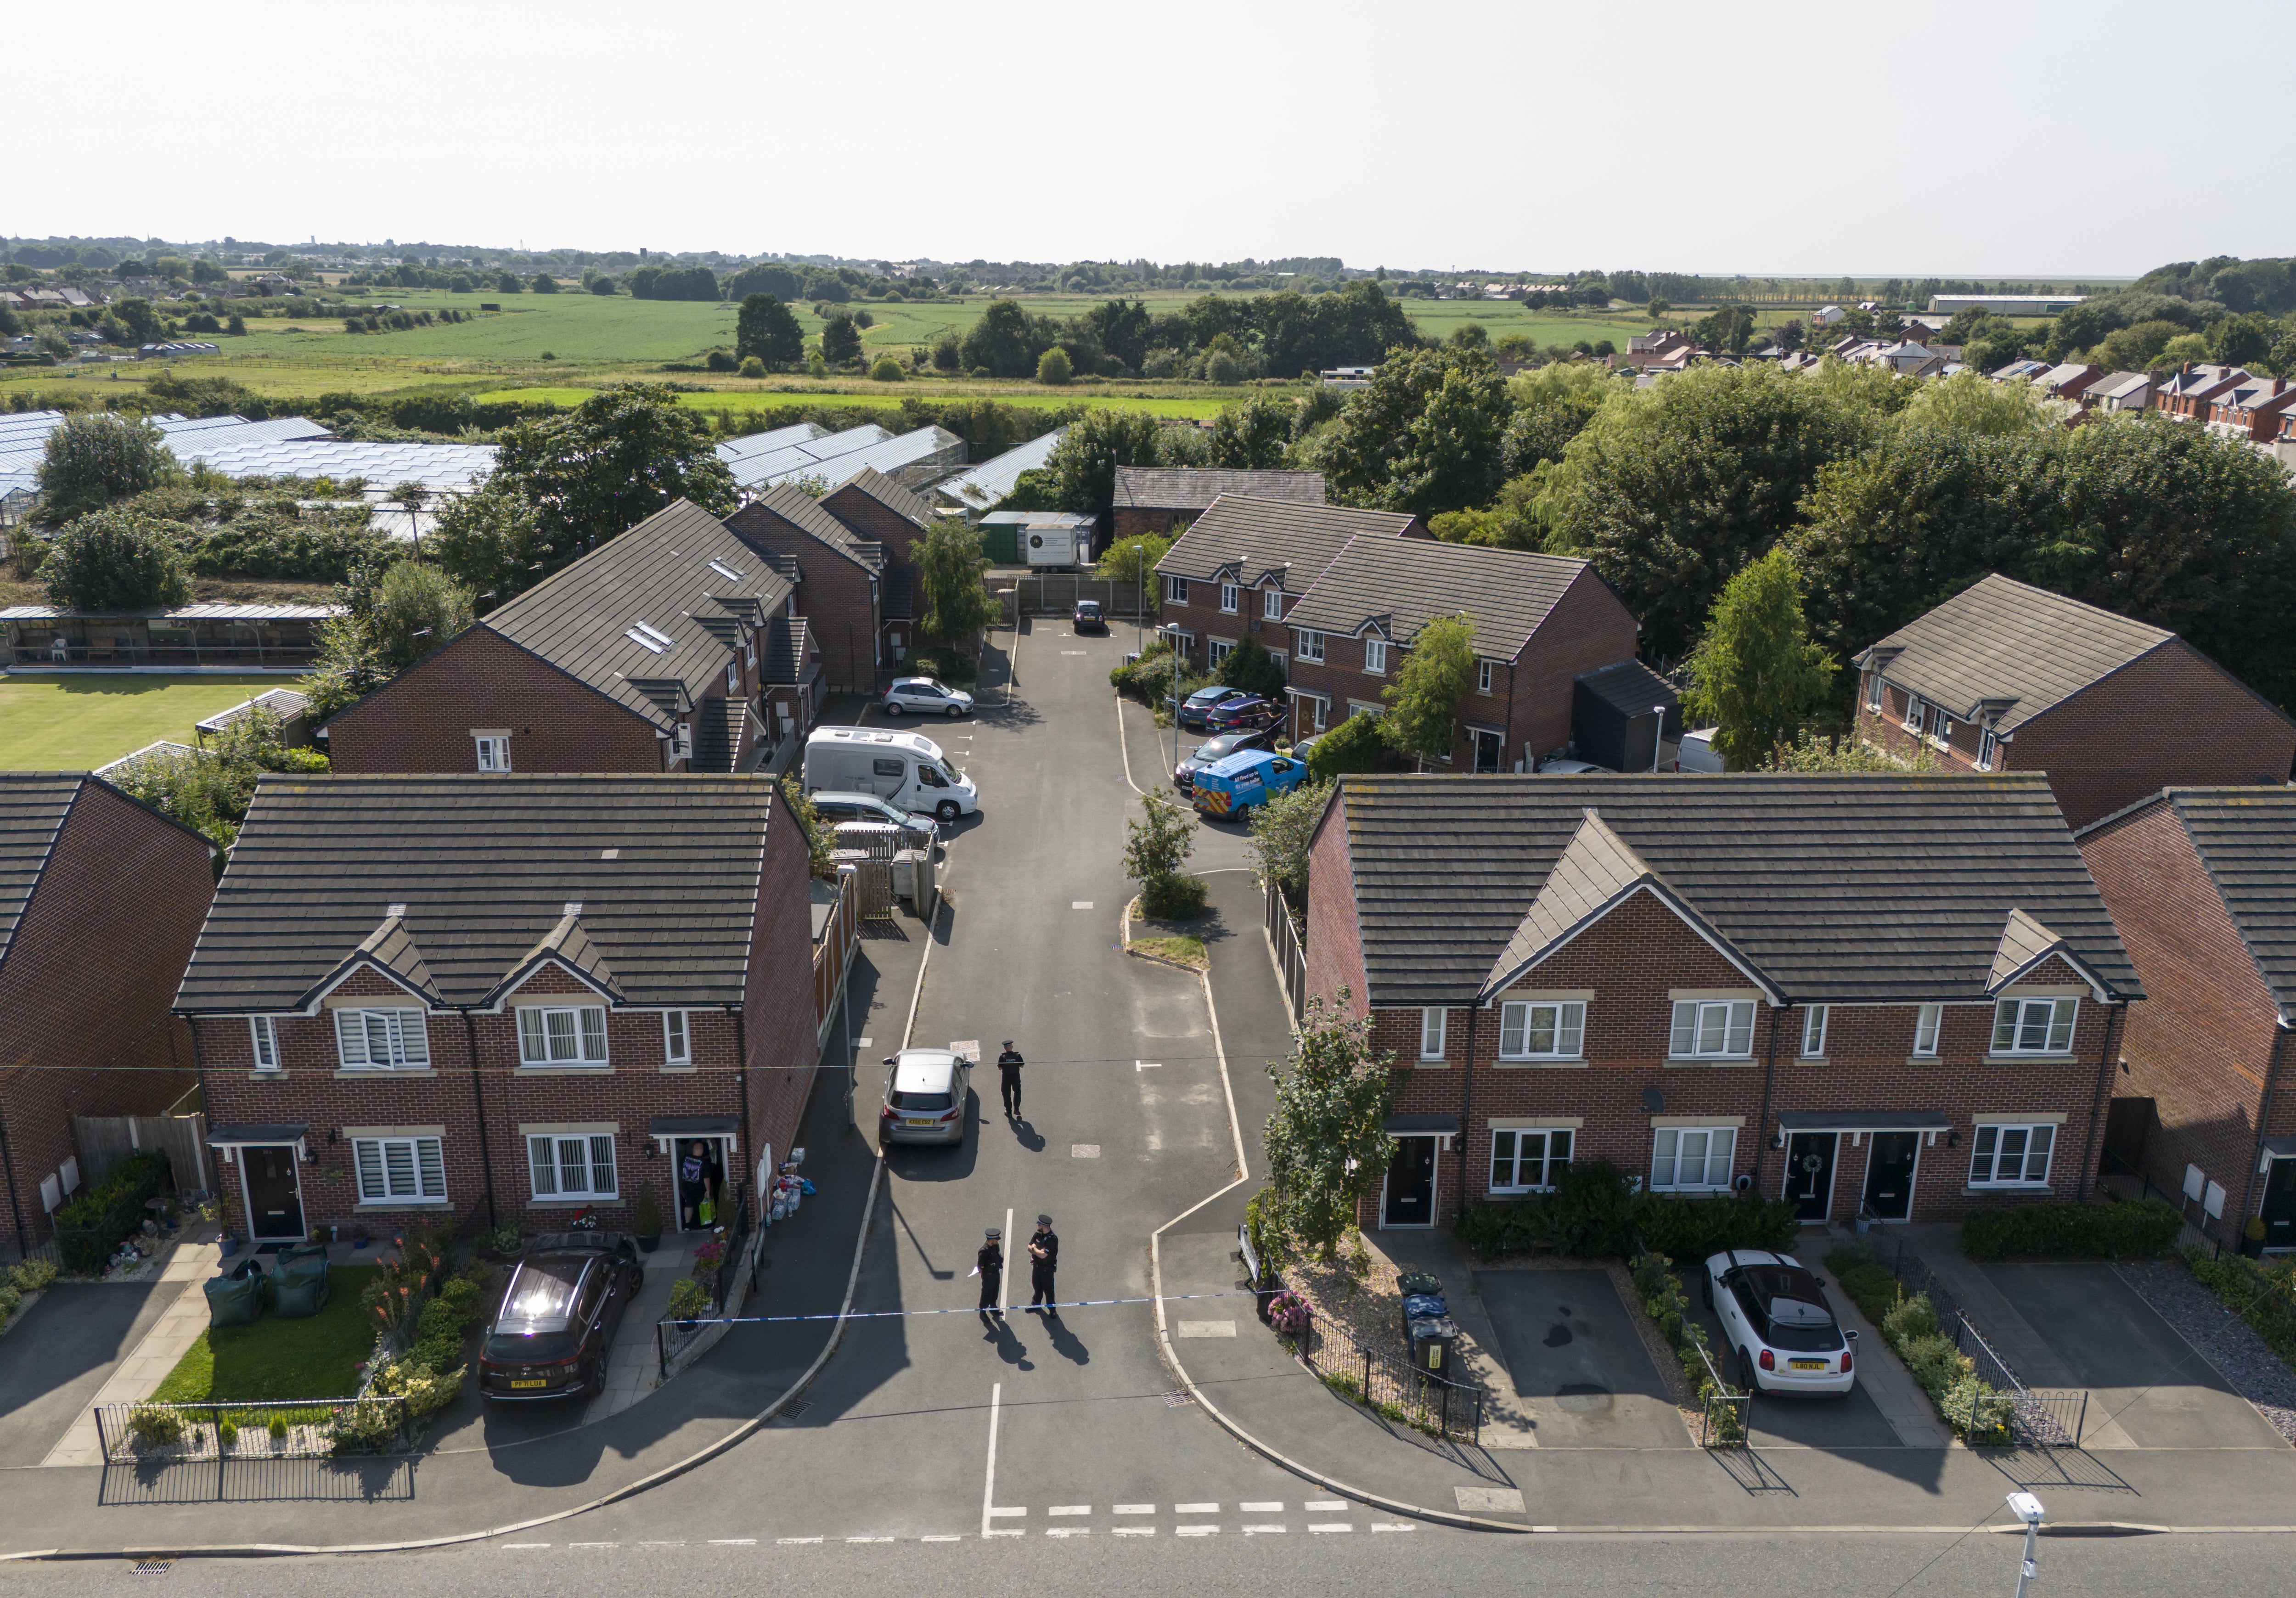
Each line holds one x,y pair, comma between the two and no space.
1328,1148
840,341
507,281
1282,829
349,668
1154,845
1053,367
768,329
1251,667
96,458
950,562
947,355
1424,699
116,561
1756,674
1132,560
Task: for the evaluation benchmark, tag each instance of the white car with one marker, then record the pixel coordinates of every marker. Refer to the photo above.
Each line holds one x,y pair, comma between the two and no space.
926,697
1777,1321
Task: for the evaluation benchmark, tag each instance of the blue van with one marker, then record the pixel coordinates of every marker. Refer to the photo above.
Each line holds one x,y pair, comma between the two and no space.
1233,786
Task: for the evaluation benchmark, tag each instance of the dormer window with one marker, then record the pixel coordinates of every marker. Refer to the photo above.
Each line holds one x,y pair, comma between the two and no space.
494,750
1375,656
383,1040
567,1034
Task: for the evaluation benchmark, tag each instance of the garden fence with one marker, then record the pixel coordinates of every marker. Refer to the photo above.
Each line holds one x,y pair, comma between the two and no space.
1726,1419
325,1448
1291,956
1390,1384
2047,1418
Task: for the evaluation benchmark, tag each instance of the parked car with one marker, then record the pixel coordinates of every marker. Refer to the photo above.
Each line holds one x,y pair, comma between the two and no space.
1776,1318
1249,711
834,808
926,1097
925,697
1568,769
1201,703
908,769
552,1332
1183,774
1089,618
1231,787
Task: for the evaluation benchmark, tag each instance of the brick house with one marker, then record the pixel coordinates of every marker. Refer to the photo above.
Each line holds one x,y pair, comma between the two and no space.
2253,409
1902,992
2003,676
2188,392
2201,884
874,507
673,647
841,581
1541,622
101,900
1155,499
504,998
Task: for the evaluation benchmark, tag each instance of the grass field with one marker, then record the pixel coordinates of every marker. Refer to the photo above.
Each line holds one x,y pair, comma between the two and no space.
317,1356
79,722
889,397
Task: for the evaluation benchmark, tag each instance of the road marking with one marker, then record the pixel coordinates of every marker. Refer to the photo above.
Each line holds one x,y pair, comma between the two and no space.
1079,904
943,1538
868,1539
989,1486
1342,1527
1224,1329
1195,1508
1069,1509
1254,1531
1076,651
662,1542
1261,1509
1084,1151
1392,1526
862,1043
1015,1532
526,1544
1324,1506
594,1544
1147,1065
1068,1531
1008,1512
1196,1531
1135,1531
732,1542
785,1542
1135,1509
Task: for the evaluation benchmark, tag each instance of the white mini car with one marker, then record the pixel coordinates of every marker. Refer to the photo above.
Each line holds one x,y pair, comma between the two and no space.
1775,1320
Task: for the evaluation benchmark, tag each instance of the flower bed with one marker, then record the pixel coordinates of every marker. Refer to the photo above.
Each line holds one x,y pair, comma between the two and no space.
1659,1290
1972,1408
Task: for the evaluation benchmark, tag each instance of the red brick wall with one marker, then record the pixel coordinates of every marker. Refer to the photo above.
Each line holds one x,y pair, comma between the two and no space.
1334,938
778,1008
873,518
1201,616
421,719
835,595
1588,628
1134,522
92,969
2201,1044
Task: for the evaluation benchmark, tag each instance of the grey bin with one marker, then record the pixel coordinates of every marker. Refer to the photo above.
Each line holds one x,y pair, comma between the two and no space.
1435,1347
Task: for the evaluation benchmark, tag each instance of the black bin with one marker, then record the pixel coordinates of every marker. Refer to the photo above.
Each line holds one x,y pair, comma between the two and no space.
1435,1347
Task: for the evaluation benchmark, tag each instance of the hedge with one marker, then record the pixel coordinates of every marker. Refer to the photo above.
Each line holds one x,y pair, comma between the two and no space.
1594,1213
2108,1231
92,1225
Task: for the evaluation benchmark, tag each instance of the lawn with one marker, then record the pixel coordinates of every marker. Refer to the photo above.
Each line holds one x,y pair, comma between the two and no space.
317,1356
889,397
77,723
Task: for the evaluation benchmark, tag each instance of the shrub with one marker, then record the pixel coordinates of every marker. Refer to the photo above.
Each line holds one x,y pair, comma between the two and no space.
116,561
1869,1286
2109,1231
2265,1297
278,1427
9,1298
363,1427
33,1274
1053,367
226,1433
886,369
1355,745
689,1301
1147,679
1914,1317
1174,897
92,1225
155,1425
751,367
720,360
426,1388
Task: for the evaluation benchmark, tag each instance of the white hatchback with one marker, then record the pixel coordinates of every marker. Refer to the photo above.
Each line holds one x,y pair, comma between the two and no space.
1777,1321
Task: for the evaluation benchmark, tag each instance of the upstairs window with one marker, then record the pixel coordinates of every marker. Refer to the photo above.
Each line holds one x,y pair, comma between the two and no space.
1873,692
1271,603
2034,1026
1176,590
1375,656
1927,1027
1484,671
266,1042
1717,1029
1987,748
1227,598
383,1040
1941,726
561,1035
1432,1025
1916,713
681,746
1531,1029
678,1042
1308,646
1813,1031
493,752
733,677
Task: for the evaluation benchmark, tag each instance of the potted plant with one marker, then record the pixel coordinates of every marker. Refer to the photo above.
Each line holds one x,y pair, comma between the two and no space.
2252,1237
647,1219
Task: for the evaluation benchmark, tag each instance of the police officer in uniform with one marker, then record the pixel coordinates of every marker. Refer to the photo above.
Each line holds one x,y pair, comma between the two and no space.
1008,1072
990,1264
1044,1258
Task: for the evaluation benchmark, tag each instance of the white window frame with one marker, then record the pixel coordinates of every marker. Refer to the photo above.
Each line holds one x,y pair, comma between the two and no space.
1690,1029
1929,1029
1718,1149
1941,726
1989,748
417,1175
681,746
404,1033
1434,1023
1554,1146
733,677
263,1030
1228,597
2014,1022
1221,650
493,750
1376,656
1176,590
1485,670
1812,1032
1989,1142
677,1037
539,1034
548,1170
1565,1028
1917,713
1873,692
1271,603
1306,644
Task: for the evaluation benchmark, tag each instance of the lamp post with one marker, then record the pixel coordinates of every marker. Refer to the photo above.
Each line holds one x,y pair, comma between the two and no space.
2028,1508
1658,739
1139,594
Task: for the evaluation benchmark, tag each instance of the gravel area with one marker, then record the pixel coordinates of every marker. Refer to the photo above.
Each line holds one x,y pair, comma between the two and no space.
2225,1340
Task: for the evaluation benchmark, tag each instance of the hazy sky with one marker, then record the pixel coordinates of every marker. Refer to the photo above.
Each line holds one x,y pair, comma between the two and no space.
2000,138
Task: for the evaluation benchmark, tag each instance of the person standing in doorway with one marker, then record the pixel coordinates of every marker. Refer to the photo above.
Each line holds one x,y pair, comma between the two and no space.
1008,1073
1045,1258
990,1266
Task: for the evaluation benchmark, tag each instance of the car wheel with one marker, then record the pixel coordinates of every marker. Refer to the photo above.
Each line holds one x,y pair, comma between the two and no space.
954,711
948,811
893,707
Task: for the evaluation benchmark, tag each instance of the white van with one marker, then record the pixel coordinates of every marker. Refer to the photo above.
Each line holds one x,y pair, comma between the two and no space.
907,769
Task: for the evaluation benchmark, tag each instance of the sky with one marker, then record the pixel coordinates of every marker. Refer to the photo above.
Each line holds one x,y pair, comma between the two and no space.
1954,138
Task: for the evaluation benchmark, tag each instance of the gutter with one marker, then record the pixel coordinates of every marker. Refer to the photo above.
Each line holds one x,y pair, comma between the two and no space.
2094,1144
1769,1075
1466,1104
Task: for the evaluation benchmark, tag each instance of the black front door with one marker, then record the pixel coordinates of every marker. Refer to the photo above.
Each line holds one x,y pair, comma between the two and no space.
1809,1173
2280,1206
275,1204
1410,1184
1490,748
1890,1174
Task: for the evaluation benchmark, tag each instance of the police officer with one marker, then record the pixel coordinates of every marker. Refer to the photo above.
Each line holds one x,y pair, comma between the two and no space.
1045,1258
1008,1072
990,1266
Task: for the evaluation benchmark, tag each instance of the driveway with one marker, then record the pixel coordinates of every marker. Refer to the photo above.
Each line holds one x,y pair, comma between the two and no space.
1578,1366
62,1352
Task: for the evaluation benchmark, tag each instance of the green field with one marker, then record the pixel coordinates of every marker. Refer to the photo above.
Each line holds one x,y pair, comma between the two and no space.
1193,402
79,722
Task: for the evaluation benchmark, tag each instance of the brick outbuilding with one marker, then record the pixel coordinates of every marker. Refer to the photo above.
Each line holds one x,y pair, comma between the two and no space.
1156,499
1899,992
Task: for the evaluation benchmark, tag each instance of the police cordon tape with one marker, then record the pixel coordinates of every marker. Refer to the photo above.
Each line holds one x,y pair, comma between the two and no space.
897,1314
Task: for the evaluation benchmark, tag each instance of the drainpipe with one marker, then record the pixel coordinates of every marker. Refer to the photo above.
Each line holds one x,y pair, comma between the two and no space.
2263,1124
1466,1105
2093,1145
478,1098
1769,1074
741,1070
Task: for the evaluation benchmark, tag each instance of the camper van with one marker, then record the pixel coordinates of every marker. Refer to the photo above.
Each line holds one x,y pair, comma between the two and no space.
906,768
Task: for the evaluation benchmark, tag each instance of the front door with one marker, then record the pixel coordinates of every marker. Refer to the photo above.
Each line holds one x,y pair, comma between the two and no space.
274,1196
1489,750
1809,1173
1890,1174
701,1176
2280,1206
1410,1199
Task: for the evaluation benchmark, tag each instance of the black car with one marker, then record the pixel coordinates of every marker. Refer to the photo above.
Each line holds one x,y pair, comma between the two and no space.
1088,617
1198,706
1183,774
1233,715
553,1332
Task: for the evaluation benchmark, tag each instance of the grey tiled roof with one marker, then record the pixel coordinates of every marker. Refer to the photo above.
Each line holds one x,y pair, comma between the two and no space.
1402,584
2001,639
890,494
1883,888
800,510
2246,837
660,573
1194,488
782,653
1629,687
33,805
486,866
1255,538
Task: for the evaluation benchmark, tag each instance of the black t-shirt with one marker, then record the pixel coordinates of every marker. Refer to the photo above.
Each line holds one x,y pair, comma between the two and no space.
1009,1063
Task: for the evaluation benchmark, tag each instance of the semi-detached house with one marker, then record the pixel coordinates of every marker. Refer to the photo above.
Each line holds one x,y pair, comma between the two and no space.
504,998
1901,994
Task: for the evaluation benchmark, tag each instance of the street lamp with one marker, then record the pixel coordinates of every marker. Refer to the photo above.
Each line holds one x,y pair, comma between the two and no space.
1139,592
1658,738
2028,1508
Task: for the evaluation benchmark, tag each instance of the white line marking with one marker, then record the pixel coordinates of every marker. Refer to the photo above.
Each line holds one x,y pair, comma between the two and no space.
942,1538
1005,1279
1261,1509
1068,1531
732,1542
1135,1509
1196,1531
1076,651
526,1544
1008,1512
662,1542
1254,1531
989,1487
862,1043
785,1542
1343,1527
1069,1509
1015,1532
1084,1151
1317,1506
1392,1526
1079,904
1147,1065
1135,1531
1195,1508
868,1539
594,1544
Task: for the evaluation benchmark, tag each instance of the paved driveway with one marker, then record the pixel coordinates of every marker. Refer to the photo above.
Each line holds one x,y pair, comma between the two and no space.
1849,1421
1576,1361
61,1353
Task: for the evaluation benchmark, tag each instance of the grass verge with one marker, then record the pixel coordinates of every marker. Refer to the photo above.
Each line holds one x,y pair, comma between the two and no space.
1182,950
270,1360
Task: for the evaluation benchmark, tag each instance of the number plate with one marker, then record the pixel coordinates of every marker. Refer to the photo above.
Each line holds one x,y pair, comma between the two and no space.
530,1381
1808,1365
914,1122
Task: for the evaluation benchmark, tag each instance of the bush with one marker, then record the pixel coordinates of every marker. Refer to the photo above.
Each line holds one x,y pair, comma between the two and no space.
1872,1287
1914,1317
426,1388
1909,1325
227,1434
689,1301
1356,745
886,369
1177,897
1664,1302
116,561
92,1225
1147,679
2108,1231
32,1276
1053,367
9,1298
720,360
96,458
2265,1297
1594,1213
1692,1228
155,1425
751,367
364,1427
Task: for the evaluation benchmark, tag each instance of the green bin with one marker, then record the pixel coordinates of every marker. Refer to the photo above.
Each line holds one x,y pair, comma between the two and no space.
299,1284
236,1297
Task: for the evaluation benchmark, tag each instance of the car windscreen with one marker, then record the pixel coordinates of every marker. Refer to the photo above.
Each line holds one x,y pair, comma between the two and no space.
902,1100
1218,748
540,1295
951,773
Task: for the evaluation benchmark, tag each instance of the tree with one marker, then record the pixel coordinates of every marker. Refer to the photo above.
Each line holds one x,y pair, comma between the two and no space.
1282,830
1083,462
601,284
2242,341
491,542
1001,341
1756,675
776,281
1727,329
347,669
118,560
1223,368
1385,450
1053,367
1355,746
414,610
1424,699
1251,667
768,330
1657,308
1154,845
208,789
840,341
1131,560
1328,1148
949,567
96,458
1967,403
543,283
1252,435
947,353
143,323
507,281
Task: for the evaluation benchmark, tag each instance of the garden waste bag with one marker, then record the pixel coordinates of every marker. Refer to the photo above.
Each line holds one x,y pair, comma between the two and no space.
236,1299
299,1286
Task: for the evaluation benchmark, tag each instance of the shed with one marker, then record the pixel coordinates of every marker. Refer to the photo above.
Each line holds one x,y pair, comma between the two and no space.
1625,716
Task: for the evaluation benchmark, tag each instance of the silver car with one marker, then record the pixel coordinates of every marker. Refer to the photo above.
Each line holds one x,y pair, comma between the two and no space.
926,1094
923,696
834,808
